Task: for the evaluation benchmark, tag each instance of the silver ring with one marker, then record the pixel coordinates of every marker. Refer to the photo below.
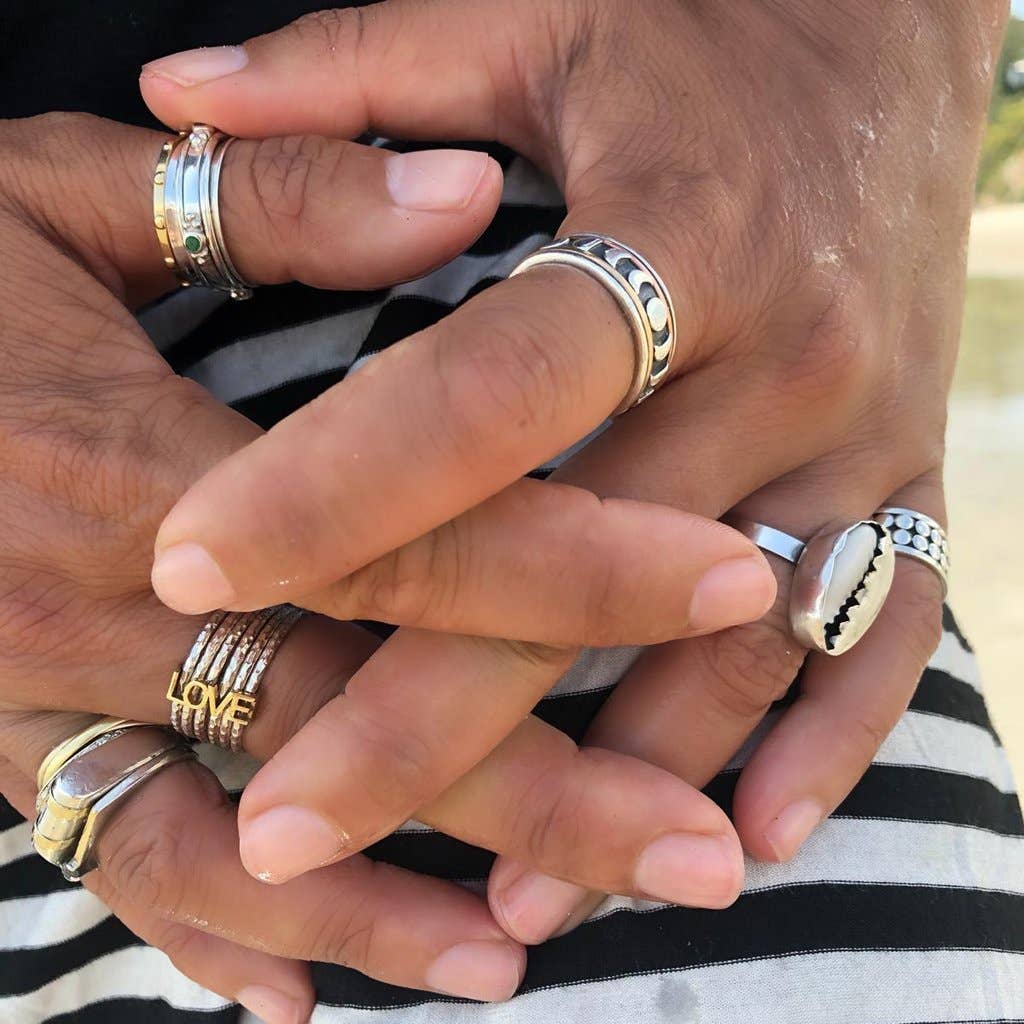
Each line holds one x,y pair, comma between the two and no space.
213,695
640,293
842,578
186,211
87,783
918,536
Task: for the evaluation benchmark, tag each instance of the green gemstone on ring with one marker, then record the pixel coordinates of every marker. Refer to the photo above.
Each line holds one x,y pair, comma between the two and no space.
193,243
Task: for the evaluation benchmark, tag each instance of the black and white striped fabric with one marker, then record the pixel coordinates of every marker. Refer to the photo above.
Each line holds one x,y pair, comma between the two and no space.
907,906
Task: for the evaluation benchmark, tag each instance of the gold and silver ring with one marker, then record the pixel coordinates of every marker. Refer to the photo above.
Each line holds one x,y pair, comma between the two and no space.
213,694
841,581
83,779
640,293
186,211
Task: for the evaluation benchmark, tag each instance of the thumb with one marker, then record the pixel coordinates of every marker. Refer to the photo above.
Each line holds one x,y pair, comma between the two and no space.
407,69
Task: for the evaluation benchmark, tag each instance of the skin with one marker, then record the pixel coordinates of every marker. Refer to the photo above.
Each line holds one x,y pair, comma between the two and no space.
800,174
99,438
813,189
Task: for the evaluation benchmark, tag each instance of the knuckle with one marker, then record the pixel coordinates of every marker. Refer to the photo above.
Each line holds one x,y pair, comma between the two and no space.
285,175
528,658
329,32
834,352
502,389
148,852
344,931
749,667
390,764
416,584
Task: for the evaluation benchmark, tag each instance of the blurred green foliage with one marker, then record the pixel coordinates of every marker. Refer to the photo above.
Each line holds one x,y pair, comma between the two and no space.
1001,172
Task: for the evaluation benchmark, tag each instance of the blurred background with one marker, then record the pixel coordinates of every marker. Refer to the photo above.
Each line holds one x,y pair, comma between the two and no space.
985,463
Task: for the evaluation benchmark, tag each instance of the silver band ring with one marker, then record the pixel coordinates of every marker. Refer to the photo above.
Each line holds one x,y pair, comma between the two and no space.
213,695
186,211
88,780
841,580
919,536
640,293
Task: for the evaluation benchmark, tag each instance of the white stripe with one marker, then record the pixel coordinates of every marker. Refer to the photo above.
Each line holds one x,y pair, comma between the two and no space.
855,851
951,657
922,740
140,972
16,843
252,366
45,920
840,988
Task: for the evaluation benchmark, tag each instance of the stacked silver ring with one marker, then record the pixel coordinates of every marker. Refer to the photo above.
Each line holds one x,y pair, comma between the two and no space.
186,211
639,292
918,536
228,658
81,789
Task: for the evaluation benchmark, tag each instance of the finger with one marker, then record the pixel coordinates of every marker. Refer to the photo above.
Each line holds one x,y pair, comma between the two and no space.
399,927
667,841
718,687
277,989
547,563
818,751
420,73
329,213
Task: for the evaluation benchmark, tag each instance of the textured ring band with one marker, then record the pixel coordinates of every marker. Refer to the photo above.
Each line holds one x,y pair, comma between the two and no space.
640,293
213,694
186,211
917,535
841,580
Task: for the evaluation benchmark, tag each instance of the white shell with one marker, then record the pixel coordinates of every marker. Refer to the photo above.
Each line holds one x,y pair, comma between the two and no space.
840,585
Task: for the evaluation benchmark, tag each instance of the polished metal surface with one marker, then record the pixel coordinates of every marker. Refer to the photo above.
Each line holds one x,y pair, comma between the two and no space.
918,536
86,776
186,211
639,292
840,582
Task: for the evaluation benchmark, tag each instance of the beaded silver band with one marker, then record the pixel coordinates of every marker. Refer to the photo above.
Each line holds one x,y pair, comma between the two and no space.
186,211
917,535
640,293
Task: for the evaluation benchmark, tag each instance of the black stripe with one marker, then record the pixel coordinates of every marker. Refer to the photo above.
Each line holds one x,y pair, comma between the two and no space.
23,970
939,693
762,925
950,624
152,1011
9,817
887,792
30,876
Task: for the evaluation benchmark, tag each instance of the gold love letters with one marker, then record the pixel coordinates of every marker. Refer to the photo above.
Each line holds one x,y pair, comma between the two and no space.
194,695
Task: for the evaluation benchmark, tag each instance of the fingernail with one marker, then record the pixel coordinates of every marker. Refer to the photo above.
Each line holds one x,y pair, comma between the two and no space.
270,1005
535,906
286,841
734,591
196,67
434,179
691,870
485,970
188,580
790,829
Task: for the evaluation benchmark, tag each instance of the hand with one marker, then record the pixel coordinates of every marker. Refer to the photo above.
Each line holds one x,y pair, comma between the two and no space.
801,178
98,438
